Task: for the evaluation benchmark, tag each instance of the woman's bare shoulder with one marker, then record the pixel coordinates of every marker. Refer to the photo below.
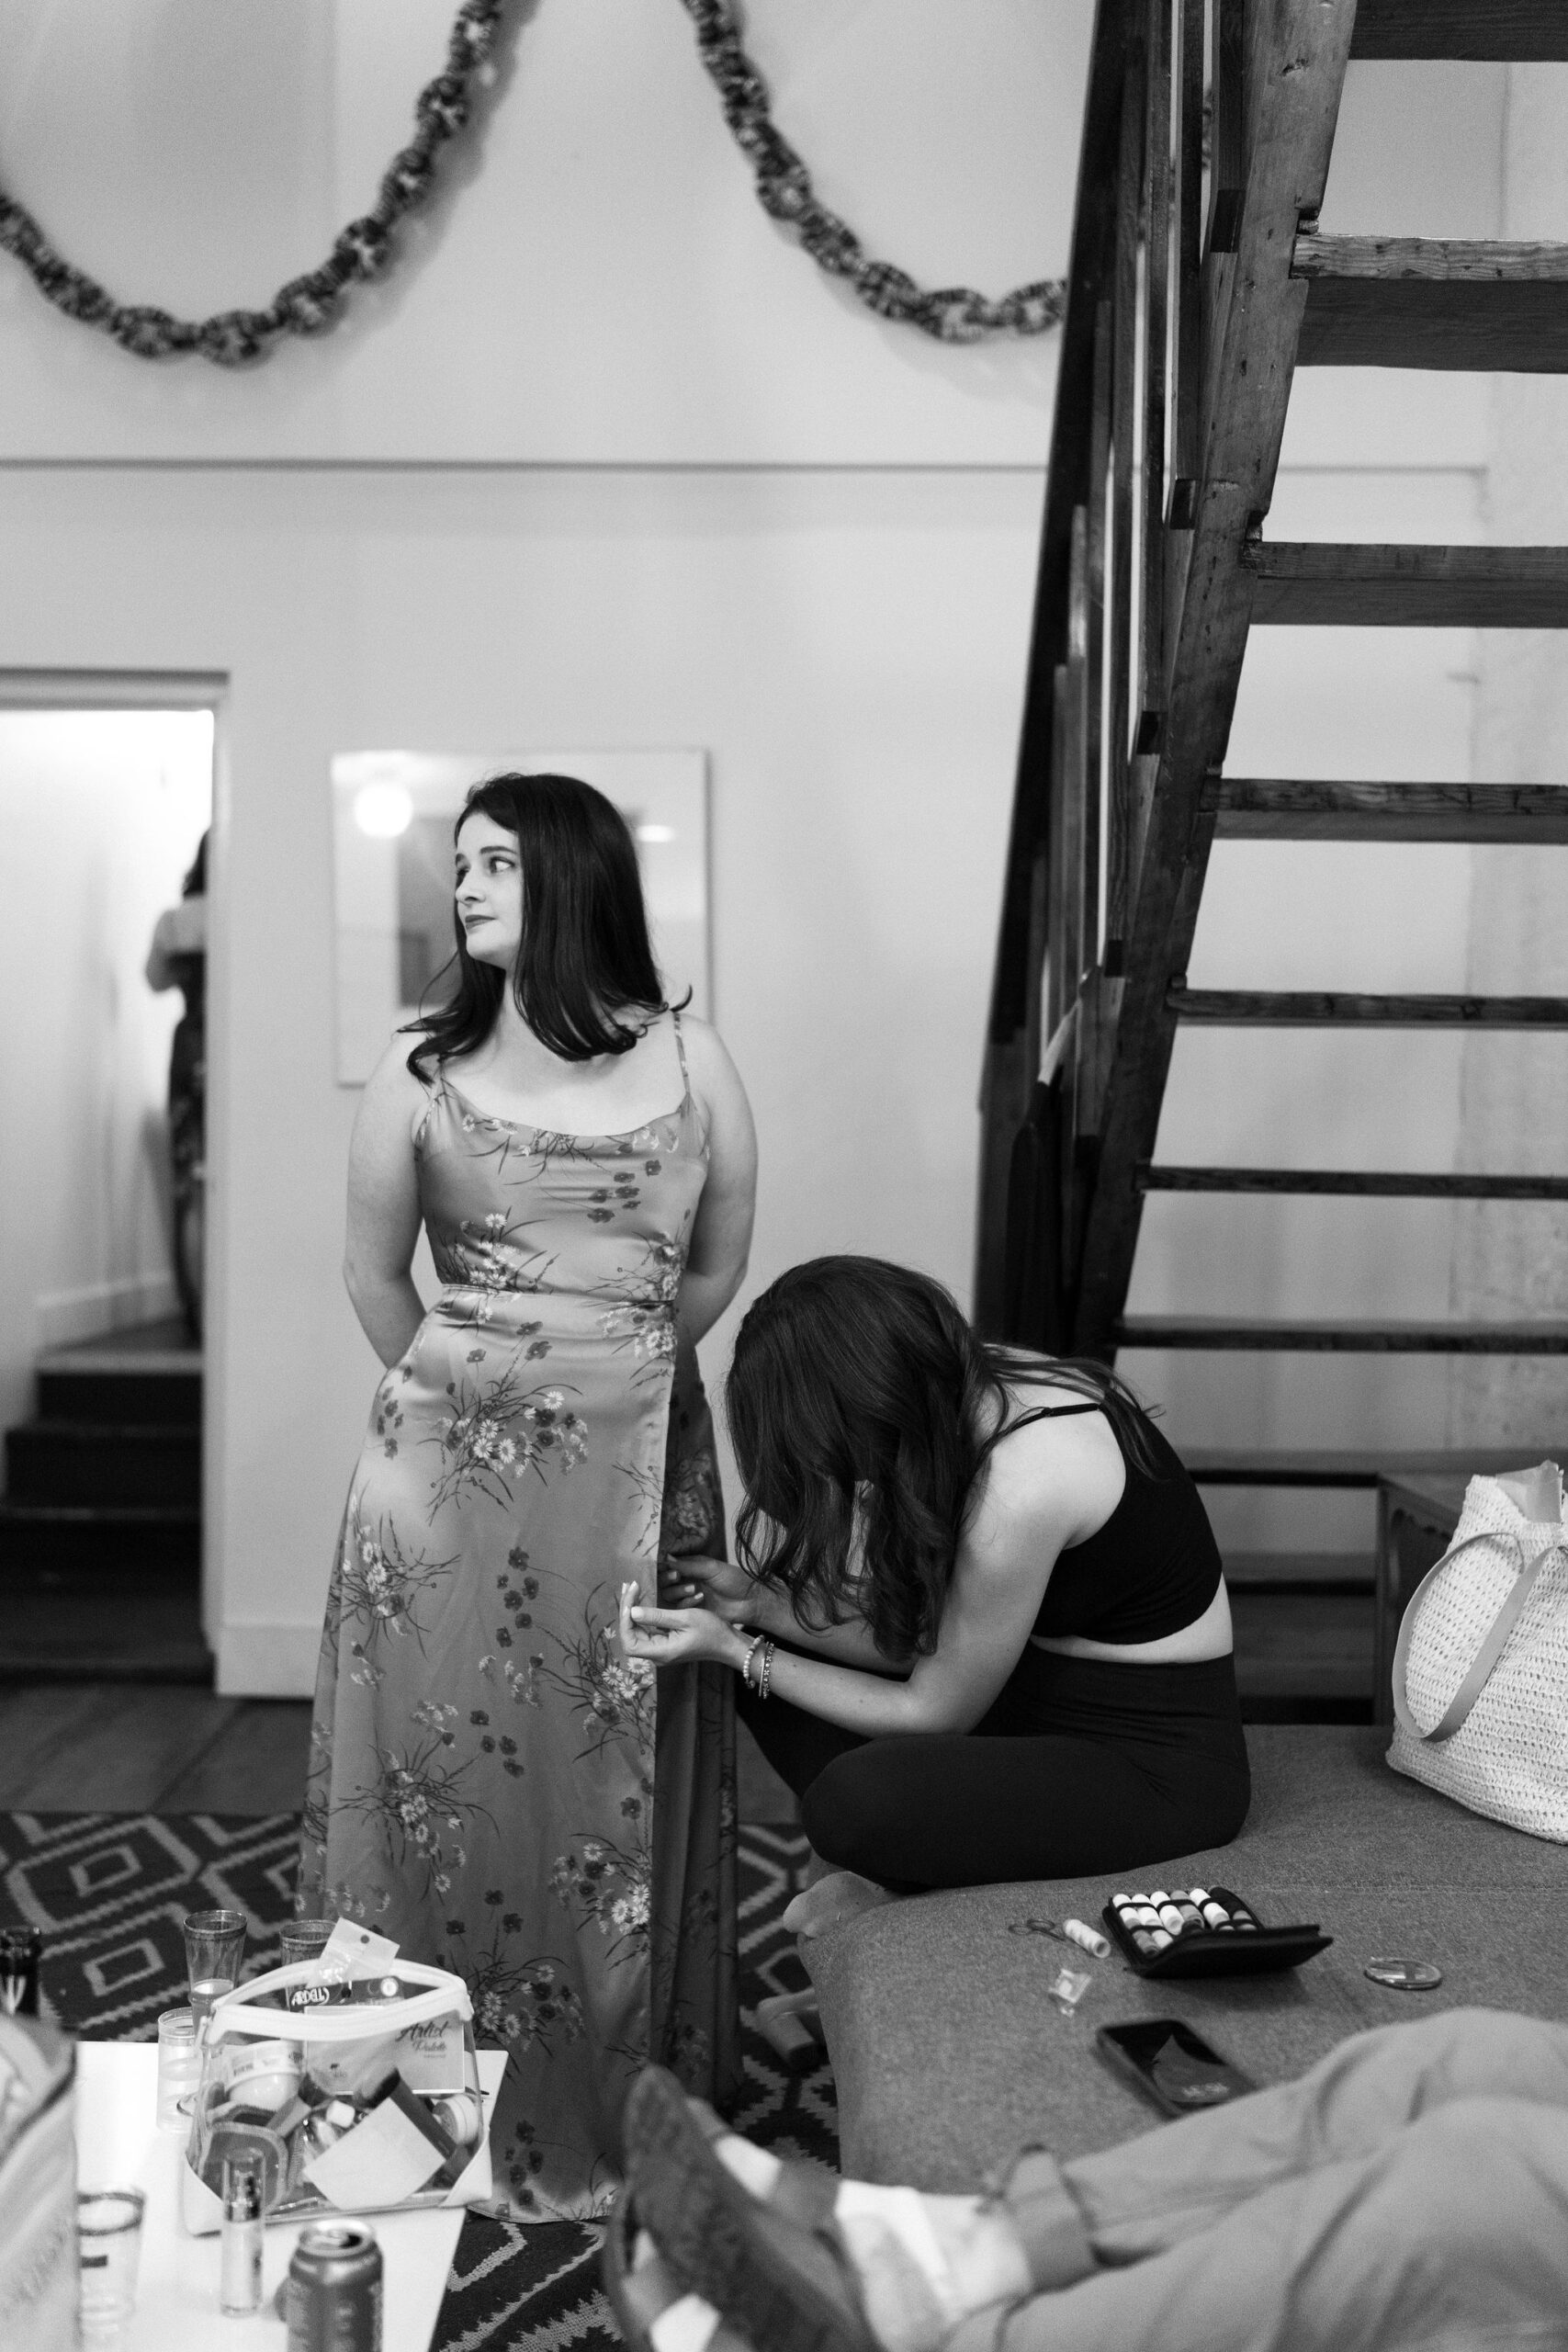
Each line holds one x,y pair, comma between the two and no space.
1061,1477
393,1096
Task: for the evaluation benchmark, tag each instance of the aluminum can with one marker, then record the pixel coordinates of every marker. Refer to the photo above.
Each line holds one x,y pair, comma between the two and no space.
334,2296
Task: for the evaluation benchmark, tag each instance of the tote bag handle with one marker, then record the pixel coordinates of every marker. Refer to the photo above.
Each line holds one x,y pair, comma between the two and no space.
1491,1650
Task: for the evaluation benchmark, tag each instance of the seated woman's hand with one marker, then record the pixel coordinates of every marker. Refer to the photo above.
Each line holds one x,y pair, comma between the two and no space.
674,1636
721,1587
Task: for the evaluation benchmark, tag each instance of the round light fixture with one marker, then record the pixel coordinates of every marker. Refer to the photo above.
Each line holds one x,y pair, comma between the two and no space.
383,810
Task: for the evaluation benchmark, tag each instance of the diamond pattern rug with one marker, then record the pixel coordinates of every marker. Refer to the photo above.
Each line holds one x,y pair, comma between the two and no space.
109,1892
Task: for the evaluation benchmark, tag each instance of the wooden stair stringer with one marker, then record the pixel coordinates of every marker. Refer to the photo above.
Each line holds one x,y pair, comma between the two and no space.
1294,71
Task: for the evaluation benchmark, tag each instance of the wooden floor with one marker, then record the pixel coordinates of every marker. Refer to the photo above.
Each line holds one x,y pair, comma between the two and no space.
114,1748
118,1748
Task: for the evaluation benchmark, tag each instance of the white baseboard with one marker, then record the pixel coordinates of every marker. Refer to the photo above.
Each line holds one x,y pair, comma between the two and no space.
92,1310
268,1661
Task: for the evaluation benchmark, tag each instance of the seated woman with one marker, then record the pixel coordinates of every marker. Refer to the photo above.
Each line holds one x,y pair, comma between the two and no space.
979,1616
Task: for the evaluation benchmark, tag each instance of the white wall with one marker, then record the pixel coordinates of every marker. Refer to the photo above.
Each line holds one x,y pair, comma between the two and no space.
849,647
100,813
1513,1095
710,501
607,459
596,282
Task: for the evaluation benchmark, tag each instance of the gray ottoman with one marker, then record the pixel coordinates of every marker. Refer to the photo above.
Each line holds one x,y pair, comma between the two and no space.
948,2054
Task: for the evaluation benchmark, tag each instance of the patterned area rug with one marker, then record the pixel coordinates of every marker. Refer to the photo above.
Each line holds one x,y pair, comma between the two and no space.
109,1892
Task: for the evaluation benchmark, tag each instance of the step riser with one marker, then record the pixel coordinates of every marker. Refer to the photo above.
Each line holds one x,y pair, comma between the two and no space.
1325,1008
1352,1184
151,1466
1496,31
165,1399
107,1562
1319,584
1288,1339
1399,322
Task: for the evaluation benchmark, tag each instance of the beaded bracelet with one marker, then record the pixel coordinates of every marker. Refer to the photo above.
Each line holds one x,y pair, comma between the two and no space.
746,1662
765,1675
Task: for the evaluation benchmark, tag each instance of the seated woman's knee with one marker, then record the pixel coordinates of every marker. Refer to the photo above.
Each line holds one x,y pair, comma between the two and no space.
851,1814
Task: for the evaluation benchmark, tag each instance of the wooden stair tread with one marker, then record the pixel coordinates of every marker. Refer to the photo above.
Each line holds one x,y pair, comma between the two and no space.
1305,808
1316,583
1350,1466
1314,1334
1319,1008
99,1515
1355,1182
1502,30
66,1430
1432,302
1290,1575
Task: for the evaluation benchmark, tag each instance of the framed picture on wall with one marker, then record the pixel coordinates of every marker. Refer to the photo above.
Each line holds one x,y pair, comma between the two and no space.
392,818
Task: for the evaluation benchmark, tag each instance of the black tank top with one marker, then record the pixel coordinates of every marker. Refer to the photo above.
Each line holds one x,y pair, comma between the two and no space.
1152,1568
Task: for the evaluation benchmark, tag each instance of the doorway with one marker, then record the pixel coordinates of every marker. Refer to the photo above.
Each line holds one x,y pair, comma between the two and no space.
107,805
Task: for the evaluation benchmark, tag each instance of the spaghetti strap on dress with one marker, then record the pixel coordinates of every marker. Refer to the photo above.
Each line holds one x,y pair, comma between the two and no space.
491,1782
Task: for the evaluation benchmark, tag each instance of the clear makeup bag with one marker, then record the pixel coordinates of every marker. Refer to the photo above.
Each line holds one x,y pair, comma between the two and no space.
368,2103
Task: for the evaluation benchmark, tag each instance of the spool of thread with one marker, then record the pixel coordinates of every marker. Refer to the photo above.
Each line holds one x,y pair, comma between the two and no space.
459,2118
1171,1917
1159,1938
1144,1940
1215,1915
1087,1937
1159,1898
1191,1915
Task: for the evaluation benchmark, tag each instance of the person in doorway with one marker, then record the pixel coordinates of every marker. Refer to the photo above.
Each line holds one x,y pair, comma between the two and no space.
978,1615
491,1782
178,959
1409,2192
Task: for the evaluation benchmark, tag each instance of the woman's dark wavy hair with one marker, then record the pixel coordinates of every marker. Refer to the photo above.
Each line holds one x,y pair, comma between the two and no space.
853,1377
585,957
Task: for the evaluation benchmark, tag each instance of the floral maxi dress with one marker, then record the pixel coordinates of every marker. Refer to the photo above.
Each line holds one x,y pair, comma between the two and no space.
491,1782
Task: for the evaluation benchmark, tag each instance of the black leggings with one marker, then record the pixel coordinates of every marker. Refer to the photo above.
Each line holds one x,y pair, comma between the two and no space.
1081,1766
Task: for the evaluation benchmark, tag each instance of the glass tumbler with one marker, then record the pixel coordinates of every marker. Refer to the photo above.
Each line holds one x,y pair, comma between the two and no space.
215,1945
108,2240
179,2068
22,1948
304,1938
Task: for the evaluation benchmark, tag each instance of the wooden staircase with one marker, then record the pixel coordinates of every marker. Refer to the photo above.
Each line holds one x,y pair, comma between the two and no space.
1199,283
100,1521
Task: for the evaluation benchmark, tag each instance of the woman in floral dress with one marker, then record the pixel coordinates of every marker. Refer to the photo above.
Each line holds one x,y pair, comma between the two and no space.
492,1783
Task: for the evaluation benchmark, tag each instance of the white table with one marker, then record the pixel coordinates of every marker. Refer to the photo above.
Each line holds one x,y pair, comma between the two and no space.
118,2144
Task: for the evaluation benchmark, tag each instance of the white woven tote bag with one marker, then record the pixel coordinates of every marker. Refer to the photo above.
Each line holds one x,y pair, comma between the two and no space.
1481,1665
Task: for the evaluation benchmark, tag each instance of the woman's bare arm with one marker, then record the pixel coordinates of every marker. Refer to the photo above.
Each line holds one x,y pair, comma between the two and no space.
1003,1565
383,1207
721,1236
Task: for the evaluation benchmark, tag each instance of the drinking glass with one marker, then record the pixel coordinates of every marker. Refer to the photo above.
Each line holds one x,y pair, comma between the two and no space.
305,1938
215,1945
179,2068
20,1951
108,2239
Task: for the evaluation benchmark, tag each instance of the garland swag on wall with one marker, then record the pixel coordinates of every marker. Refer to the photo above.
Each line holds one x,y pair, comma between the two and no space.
311,303
951,313
306,305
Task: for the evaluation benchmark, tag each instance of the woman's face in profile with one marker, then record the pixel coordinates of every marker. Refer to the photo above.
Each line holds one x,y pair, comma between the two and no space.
489,870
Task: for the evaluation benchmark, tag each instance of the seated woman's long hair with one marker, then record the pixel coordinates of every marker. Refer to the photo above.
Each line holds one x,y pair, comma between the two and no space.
854,1400
586,956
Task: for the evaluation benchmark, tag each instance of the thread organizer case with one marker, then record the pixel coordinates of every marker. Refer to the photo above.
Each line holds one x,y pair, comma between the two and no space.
1196,1948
